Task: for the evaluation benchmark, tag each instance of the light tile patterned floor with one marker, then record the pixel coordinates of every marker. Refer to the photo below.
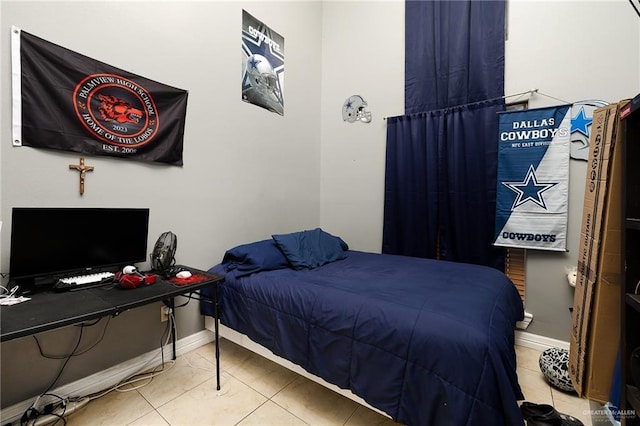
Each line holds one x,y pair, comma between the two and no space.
535,388
256,391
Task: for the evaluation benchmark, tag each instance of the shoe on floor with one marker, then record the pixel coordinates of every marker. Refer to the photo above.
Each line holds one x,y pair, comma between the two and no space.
542,421
546,415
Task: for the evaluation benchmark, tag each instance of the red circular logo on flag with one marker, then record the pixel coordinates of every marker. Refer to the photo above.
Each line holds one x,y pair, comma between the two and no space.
116,110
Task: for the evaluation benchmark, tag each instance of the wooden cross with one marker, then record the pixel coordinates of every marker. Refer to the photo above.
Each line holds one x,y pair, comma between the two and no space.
83,170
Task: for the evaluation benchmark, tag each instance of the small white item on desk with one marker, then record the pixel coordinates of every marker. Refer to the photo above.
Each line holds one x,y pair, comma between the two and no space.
12,300
183,274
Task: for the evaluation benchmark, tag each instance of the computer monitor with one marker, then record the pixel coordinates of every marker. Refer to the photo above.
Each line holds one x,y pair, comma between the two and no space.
48,243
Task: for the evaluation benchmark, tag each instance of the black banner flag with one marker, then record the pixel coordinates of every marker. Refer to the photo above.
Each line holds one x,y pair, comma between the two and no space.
67,101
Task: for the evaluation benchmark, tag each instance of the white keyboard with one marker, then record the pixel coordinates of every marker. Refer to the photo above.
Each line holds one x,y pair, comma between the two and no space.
88,279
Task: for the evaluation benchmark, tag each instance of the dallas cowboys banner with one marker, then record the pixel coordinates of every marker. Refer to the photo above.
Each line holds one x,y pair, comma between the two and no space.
533,178
67,101
262,65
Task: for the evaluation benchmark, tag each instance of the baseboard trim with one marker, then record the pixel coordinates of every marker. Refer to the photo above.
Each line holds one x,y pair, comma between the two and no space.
111,376
534,341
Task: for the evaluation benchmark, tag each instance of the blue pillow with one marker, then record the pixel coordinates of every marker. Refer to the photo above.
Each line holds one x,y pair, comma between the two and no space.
254,257
310,249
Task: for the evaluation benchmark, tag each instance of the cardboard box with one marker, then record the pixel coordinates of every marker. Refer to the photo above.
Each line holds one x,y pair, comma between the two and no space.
595,330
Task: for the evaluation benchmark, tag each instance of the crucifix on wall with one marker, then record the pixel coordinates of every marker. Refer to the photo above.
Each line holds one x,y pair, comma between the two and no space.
83,170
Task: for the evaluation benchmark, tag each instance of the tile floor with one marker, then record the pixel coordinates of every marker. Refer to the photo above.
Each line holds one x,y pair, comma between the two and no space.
535,388
256,391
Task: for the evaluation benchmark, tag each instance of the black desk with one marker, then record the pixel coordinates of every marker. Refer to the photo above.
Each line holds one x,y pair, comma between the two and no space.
50,310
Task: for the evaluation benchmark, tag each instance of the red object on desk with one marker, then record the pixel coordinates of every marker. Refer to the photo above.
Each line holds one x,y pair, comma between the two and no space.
193,279
135,280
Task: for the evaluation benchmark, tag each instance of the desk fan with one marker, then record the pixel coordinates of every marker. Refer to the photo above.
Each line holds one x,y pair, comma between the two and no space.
163,256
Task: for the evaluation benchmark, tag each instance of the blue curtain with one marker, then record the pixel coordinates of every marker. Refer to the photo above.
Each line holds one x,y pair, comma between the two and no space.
443,191
441,159
411,186
454,53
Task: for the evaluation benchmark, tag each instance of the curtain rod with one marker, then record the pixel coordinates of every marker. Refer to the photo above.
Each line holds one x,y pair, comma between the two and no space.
530,91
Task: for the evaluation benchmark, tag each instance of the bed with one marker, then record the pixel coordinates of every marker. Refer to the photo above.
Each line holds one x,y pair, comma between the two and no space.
427,342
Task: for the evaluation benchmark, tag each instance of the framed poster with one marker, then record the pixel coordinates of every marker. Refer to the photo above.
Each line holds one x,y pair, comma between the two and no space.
262,65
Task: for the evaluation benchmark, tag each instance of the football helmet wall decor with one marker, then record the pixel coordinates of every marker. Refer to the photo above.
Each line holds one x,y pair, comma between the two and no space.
354,110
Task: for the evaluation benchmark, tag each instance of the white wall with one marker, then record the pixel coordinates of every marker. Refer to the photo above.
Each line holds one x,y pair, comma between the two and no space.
571,50
247,172
362,54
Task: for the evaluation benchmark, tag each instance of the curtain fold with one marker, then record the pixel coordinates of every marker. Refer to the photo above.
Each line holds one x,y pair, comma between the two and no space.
411,189
469,160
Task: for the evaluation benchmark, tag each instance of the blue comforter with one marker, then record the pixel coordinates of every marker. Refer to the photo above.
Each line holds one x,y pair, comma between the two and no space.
427,342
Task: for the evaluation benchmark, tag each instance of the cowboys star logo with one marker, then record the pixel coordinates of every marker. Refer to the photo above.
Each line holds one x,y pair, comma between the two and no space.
529,189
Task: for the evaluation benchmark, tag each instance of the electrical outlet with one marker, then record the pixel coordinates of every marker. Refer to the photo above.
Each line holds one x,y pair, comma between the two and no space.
165,311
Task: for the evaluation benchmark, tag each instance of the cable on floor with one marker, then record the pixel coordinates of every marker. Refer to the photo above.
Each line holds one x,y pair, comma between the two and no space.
141,375
32,414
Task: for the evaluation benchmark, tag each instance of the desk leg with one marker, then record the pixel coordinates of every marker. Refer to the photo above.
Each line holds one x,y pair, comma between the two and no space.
215,311
173,327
